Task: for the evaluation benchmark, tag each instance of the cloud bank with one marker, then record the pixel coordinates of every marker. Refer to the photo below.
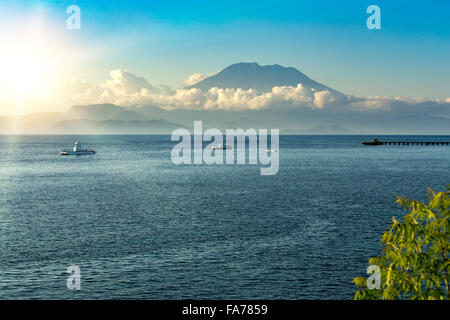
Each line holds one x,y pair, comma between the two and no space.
126,89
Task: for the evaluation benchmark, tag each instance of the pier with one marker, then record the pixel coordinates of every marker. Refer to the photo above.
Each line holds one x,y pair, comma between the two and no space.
376,142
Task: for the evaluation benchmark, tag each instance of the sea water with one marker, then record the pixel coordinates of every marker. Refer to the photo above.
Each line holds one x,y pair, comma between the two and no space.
140,227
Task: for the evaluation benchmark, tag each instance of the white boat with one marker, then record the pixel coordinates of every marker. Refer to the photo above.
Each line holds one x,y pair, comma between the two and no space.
221,147
77,150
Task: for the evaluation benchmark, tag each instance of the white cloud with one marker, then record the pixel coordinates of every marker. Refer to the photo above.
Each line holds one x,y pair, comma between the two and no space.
194,78
323,98
123,82
370,104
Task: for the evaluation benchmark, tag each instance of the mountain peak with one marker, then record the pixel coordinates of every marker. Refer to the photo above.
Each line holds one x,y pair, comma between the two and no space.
251,75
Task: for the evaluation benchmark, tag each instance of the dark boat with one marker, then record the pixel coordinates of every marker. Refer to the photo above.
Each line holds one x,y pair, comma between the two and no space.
375,142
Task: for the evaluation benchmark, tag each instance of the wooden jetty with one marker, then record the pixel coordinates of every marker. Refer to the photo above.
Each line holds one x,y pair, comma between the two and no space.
376,142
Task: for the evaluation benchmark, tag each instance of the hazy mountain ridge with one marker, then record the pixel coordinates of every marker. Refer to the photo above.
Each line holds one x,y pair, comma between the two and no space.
322,129
110,119
102,112
89,119
115,127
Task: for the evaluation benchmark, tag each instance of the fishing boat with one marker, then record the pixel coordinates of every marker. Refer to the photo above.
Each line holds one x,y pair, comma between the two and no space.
375,142
77,151
221,147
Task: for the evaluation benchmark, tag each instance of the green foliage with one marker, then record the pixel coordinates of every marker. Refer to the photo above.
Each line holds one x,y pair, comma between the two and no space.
415,259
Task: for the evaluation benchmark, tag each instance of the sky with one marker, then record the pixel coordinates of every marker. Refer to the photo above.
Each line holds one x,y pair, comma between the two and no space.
166,42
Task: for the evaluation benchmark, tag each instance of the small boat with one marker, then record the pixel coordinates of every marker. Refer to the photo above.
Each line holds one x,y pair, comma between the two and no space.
271,150
375,142
221,147
77,150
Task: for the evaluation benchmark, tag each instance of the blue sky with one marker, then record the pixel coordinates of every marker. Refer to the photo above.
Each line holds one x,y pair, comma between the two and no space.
166,41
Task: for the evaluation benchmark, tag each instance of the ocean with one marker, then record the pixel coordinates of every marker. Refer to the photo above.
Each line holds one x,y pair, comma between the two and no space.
140,227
